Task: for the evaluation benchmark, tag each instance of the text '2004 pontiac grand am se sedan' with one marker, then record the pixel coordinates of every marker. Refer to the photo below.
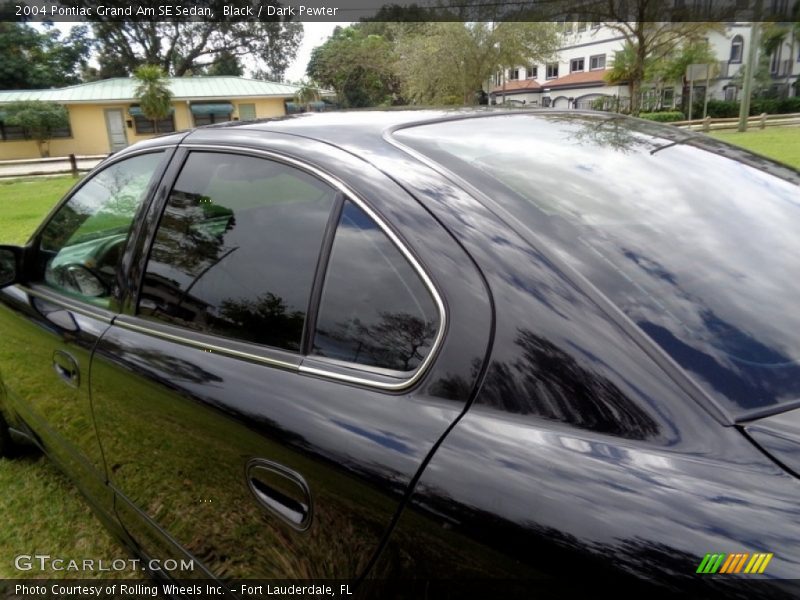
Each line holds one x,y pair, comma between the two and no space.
423,345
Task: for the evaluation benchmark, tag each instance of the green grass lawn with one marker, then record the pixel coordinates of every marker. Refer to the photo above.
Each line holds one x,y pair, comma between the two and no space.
779,143
43,513
23,203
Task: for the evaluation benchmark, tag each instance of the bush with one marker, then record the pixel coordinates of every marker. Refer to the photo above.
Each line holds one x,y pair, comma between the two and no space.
789,105
663,117
37,119
719,109
763,105
722,109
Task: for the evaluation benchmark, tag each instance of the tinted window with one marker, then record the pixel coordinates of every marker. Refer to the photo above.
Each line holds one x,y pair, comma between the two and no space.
698,249
237,248
81,246
375,310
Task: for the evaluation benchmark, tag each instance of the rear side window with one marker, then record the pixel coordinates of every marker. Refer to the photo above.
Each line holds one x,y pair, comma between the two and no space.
237,248
375,309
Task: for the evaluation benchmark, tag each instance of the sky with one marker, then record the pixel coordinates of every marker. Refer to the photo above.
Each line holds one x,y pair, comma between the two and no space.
314,34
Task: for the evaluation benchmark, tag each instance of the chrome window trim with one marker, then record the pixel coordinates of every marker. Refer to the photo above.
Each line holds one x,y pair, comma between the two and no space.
314,371
67,303
124,321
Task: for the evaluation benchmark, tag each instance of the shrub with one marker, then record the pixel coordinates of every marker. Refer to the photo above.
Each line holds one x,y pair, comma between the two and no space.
38,120
719,109
663,117
725,109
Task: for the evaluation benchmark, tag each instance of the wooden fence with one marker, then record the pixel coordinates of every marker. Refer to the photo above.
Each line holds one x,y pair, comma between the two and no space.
761,121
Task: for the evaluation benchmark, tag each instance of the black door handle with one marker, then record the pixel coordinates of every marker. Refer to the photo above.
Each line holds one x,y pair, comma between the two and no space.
66,367
283,492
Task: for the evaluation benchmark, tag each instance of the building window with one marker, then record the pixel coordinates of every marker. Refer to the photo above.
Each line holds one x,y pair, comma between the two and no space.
498,78
595,24
515,74
730,93
737,49
552,70
210,113
775,61
668,98
10,133
567,27
597,62
576,64
144,126
581,26
533,72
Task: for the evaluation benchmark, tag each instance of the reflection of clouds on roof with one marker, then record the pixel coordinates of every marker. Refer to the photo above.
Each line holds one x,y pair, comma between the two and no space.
680,238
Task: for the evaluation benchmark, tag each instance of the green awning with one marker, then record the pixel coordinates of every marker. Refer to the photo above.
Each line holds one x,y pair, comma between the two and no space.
136,111
212,109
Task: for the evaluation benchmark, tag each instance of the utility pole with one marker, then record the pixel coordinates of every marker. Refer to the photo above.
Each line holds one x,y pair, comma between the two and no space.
749,73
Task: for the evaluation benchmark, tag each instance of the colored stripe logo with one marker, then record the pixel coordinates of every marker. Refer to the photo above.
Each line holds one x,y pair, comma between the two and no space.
741,562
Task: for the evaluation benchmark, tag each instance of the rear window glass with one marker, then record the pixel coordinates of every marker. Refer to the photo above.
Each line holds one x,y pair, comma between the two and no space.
699,250
375,309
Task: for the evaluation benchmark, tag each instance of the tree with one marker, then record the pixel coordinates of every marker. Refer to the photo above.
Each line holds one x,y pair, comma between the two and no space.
449,62
651,43
358,66
184,47
38,120
307,94
226,63
155,98
648,35
35,60
775,35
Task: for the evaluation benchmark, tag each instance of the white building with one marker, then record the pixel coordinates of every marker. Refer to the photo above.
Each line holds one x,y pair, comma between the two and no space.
576,78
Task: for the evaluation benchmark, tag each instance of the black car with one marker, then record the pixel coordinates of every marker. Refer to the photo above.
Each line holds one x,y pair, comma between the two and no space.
427,345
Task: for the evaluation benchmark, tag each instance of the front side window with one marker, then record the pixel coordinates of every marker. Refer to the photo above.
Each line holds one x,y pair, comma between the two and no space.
236,250
80,248
375,309
552,70
576,64
533,72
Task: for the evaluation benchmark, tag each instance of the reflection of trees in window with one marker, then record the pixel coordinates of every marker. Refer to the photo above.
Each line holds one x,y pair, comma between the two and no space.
61,228
264,320
191,234
547,381
398,341
191,240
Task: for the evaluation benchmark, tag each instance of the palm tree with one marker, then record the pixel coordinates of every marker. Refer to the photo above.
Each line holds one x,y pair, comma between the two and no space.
155,98
307,94
624,71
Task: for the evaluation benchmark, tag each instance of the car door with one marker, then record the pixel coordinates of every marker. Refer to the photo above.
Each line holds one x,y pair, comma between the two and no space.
286,368
49,326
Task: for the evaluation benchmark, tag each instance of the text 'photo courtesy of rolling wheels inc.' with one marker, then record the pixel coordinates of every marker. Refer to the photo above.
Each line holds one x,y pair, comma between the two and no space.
394,299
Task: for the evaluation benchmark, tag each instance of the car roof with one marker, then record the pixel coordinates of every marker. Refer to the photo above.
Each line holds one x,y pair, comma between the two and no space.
354,128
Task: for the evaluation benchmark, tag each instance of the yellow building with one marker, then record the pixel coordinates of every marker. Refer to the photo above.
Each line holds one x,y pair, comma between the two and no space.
104,115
